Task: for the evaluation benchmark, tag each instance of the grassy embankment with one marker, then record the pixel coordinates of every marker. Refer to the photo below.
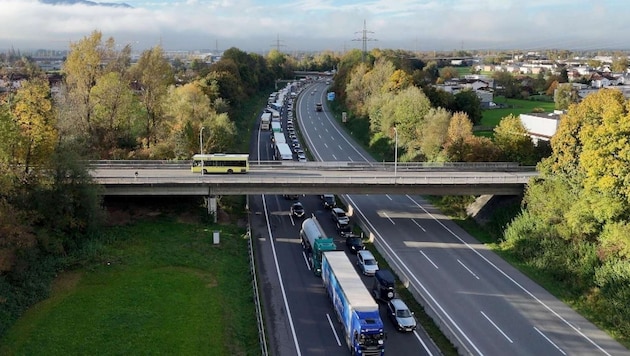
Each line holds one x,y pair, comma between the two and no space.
159,286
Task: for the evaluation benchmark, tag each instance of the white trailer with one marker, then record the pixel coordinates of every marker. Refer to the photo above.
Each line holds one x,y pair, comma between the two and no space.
278,137
283,152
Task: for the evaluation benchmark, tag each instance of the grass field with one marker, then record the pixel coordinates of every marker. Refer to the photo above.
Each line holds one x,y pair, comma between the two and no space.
160,287
492,117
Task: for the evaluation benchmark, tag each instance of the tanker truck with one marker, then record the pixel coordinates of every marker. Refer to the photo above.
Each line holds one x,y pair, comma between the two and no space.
314,242
354,306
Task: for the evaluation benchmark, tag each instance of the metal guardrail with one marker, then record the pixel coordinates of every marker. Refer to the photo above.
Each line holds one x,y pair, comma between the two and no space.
262,338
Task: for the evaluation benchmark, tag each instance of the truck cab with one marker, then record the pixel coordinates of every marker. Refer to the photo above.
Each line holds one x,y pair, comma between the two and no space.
318,107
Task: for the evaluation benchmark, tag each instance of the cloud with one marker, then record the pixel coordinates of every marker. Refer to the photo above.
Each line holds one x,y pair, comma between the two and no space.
254,25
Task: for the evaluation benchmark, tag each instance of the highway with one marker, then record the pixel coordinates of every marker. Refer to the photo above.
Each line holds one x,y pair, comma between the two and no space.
299,317
485,306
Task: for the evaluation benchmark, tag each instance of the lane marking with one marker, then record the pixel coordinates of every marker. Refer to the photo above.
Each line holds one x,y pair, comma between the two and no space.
420,226
388,197
335,158
284,293
428,259
551,342
467,269
308,265
388,218
333,329
496,327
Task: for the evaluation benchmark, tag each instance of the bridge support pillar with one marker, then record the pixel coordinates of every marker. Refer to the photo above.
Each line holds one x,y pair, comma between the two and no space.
211,204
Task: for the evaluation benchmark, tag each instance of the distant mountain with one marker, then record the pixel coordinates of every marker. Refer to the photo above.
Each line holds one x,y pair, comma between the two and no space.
84,2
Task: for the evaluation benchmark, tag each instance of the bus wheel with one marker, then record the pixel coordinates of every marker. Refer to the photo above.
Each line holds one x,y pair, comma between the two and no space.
204,172
230,171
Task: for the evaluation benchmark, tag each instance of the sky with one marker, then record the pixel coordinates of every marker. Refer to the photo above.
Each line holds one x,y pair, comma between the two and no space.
317,25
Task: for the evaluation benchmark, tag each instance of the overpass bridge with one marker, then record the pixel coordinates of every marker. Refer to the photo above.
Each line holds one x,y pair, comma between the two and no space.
167,178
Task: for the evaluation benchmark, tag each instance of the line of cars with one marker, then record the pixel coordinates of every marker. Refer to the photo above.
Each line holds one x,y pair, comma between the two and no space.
383,286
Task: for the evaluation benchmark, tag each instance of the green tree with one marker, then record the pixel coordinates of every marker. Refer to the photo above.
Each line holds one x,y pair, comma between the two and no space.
565,95
619,62
434,134
406,111
116,110
467,101
512,138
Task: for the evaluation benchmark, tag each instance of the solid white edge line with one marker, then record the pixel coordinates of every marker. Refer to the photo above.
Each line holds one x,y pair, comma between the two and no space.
426,348
284,294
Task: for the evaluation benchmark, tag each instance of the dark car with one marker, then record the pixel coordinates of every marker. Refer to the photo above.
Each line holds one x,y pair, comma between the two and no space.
354,243
328,200
291,196
384,285
344,229
297,210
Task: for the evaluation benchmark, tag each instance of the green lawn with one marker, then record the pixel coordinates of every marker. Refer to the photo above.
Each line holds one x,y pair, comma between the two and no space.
516,107
160,287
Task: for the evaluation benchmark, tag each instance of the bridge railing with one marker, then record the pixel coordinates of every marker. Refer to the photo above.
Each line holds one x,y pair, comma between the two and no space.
294,165
318,180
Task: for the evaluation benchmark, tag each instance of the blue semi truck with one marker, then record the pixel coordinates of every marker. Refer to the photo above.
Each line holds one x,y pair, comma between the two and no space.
355,308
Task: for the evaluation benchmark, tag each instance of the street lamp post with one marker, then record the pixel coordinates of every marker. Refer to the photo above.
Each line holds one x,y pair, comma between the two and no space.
201,146
395,151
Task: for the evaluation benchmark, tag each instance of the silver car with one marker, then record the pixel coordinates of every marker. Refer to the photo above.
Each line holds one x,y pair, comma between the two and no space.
401,316
367,263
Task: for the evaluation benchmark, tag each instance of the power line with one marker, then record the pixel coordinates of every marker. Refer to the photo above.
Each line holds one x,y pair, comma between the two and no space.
364,39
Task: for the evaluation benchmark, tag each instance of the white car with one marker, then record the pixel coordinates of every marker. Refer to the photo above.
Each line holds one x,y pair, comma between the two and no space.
367,263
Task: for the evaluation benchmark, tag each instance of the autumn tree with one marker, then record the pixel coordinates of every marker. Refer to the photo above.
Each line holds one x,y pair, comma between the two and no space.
153,75
81,69
462,146
186,107
33,115
448,73
575,222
